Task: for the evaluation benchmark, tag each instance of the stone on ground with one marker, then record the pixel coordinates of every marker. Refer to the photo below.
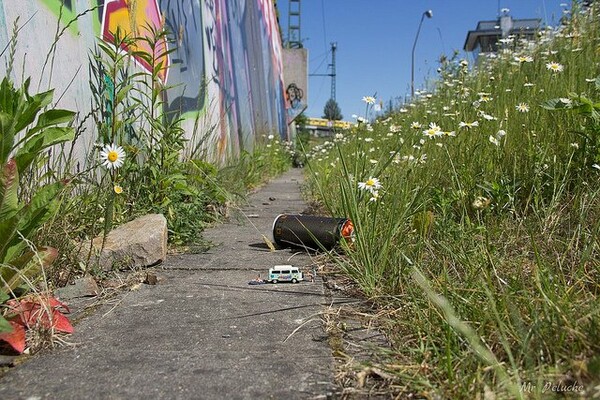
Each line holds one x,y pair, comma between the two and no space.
138,243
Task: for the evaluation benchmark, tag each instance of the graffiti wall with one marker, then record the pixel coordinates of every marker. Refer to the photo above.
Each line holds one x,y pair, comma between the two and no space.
224,73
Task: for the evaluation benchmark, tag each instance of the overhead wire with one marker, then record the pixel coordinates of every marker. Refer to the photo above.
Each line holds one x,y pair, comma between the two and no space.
324,25
321,64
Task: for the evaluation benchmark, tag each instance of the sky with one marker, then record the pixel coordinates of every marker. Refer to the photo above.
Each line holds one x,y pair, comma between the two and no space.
375,39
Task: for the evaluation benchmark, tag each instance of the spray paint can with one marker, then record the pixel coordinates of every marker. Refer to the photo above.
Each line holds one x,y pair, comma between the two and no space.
311,232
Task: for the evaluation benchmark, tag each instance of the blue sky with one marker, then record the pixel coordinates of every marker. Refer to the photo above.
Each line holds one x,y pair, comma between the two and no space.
375,38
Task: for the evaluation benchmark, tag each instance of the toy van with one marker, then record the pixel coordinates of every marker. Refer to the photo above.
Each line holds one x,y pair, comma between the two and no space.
285,273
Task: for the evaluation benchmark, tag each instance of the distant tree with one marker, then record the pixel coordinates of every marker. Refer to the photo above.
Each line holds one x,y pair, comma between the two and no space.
332,111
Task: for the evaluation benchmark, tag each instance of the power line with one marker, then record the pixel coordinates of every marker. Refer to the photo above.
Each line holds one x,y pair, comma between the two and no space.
324,25
319,57
320,65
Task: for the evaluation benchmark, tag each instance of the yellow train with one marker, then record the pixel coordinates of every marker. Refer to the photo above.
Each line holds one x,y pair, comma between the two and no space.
325,123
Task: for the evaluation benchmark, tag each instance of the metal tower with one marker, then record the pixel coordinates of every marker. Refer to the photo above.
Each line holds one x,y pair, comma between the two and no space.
332,65
294,39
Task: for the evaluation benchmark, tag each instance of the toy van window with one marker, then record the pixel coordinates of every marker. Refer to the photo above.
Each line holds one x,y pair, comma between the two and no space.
276,272
285,272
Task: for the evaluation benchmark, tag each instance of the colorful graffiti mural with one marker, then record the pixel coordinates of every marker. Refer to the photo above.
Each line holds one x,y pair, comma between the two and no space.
225,66
222,62
136,19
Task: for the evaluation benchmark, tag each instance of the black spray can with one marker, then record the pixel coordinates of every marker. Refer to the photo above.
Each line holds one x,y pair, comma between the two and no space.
311,231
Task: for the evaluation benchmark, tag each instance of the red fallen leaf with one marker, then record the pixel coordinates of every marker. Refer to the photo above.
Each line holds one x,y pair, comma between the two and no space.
29,312
61,323
15,338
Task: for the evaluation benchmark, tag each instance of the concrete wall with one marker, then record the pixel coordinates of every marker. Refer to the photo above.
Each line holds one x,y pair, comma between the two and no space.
295,67
225,75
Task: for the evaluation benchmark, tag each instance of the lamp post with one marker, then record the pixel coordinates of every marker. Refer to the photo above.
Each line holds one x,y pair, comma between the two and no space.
427,14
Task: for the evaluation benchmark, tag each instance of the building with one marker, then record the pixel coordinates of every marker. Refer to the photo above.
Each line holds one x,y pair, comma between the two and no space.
486,38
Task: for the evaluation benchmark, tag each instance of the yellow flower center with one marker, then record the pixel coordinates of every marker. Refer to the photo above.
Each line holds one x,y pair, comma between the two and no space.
118,189
112,156
370,182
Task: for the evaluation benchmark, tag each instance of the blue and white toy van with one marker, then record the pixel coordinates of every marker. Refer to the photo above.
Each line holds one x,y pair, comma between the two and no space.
285,273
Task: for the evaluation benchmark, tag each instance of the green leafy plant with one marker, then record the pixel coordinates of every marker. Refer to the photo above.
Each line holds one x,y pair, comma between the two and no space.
582,105
27,129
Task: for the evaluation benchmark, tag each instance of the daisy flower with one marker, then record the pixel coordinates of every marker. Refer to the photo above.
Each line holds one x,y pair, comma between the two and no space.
416,125
118,189
112,156
494,141
395,128
555,67
468,125
524,59
369,99
371,185
522,107
484,97
433,130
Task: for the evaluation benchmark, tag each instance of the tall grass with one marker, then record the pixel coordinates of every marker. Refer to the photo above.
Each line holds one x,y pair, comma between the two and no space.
483,236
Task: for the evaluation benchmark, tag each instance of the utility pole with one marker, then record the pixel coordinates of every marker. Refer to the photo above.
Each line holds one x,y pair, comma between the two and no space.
333,49
294,39
332,66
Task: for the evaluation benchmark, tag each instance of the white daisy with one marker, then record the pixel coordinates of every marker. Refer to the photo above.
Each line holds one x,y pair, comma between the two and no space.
468,125
433,130
371,184
554,66
369,99
112,156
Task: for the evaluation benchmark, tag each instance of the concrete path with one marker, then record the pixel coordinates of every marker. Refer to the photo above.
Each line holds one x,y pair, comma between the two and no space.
202,332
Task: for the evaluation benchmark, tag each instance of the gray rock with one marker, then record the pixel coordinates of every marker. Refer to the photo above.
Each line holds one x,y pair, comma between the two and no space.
138,243
82,287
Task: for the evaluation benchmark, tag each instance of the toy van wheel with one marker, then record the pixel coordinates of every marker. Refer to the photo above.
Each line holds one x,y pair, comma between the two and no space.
294,280
275,281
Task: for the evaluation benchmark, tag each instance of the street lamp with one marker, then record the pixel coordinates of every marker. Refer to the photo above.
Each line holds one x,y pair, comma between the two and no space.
427,14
